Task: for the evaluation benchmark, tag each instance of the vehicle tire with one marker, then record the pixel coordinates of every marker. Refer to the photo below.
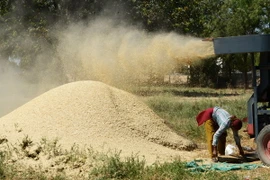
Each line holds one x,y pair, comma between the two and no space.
263,145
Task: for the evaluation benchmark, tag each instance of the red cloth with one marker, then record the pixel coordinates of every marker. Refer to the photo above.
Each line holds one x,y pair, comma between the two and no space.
237,124
204,116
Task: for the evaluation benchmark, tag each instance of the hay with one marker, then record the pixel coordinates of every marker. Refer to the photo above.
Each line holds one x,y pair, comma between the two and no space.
90,113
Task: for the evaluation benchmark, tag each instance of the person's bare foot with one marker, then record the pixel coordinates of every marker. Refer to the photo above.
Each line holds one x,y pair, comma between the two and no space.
215,159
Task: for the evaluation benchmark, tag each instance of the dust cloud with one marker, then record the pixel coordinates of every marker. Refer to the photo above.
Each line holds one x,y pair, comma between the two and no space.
102,50
14,90
116,53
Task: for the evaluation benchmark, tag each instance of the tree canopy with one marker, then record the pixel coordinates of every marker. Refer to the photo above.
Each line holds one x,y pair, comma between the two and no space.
199,18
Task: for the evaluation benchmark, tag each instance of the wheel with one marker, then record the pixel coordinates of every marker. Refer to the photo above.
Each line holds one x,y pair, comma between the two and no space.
263,145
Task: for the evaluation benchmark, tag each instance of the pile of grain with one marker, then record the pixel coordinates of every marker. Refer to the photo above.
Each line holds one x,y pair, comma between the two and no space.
89,113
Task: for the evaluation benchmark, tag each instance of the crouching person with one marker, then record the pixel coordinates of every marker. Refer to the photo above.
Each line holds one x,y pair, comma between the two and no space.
216,122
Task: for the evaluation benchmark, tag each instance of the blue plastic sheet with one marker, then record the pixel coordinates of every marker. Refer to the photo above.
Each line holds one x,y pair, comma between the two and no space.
195,167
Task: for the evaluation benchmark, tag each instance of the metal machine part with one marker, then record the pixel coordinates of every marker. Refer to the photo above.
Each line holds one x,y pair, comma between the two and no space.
259,103
242,44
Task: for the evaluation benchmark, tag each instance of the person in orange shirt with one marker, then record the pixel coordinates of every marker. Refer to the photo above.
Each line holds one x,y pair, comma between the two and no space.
216,122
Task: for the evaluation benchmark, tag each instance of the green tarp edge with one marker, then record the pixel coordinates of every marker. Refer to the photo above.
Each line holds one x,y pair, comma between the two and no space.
195,167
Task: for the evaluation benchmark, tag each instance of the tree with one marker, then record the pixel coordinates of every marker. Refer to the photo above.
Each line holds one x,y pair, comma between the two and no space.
239,17
184,17
26,25
205,74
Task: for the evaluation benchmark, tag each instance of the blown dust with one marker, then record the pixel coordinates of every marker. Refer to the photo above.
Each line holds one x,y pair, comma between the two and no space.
119,54
90,111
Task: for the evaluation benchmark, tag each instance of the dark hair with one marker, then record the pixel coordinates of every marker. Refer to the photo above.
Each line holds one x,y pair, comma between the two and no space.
237,124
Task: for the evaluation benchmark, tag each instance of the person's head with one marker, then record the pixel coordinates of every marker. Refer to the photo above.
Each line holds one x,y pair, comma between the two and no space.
236,124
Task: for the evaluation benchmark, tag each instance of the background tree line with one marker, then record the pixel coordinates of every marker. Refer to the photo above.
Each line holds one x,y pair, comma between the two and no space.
199,18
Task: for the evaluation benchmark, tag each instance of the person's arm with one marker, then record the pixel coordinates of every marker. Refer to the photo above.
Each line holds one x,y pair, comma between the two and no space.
216,136
238,142
215,153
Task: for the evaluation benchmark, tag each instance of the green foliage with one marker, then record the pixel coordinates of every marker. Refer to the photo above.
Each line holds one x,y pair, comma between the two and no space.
5,7
239,18
174,170
185,17
27,27
232,18
177,170
131,168
51,147
115,168
75,156
205,74
26,142
10,171
2,168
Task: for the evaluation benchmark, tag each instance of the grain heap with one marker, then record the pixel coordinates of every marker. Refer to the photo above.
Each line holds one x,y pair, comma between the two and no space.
90,113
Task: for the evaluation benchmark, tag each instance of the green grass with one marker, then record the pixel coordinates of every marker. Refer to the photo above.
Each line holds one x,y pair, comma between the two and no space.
113,167
179,112
132,168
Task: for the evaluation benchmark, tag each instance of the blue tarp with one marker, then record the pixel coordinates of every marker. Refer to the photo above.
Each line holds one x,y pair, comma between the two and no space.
195,167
